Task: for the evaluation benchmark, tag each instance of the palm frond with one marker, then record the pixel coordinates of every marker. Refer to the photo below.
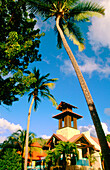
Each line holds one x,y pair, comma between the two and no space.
86,15
39,6
72,31
86,9
51,98
50,85
30,95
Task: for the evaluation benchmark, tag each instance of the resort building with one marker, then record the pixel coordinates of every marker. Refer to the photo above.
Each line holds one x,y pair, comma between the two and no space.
87,145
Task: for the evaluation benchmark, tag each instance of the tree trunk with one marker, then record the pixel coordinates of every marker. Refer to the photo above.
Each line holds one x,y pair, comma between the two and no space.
27,136
100,133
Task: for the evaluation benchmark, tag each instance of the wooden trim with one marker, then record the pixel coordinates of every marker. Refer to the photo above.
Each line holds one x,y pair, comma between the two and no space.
75,122
60,123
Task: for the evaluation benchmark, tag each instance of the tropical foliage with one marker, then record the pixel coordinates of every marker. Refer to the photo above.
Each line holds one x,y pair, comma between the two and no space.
61,149
108,138
10,160
38,89
16,141
67,15
19,44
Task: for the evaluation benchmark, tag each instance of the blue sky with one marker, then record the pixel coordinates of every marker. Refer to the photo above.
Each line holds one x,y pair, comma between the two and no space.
94,63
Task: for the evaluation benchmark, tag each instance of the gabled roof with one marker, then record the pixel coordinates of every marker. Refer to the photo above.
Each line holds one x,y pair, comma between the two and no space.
65,112
62,138
36,144
95,139
58,136
75,138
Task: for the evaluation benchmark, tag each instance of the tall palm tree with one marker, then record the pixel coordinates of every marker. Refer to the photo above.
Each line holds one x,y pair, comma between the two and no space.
39,88
67,14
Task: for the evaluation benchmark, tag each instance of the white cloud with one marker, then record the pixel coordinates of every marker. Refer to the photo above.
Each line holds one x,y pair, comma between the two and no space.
2,139
46,25
107,111
7,128
67,67
88,65
5,125
45,137
98,34
46,61
60,56
92,131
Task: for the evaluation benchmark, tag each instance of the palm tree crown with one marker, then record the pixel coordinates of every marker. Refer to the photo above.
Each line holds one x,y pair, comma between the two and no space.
40,88
71,12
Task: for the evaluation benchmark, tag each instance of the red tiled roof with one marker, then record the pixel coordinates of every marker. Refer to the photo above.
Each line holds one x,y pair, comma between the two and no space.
96,140
58,136
62,138
36,144
75,138
35,155
58,116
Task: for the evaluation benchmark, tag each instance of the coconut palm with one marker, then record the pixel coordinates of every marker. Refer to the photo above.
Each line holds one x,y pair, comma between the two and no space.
67,14
39,88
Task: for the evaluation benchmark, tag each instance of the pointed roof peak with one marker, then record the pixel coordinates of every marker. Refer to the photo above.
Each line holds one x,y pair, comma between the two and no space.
63,106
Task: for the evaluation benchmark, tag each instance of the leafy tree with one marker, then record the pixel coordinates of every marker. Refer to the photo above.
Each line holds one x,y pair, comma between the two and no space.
17,141
67,14
108,138
10,160
39,89
19,43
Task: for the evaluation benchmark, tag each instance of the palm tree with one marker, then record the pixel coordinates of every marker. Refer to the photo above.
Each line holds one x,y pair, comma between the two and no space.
39,88
67,14
66,148
19,138
62,148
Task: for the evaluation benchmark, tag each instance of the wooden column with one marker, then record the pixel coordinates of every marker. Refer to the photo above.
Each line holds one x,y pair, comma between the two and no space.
87,151
72,122
65,121
69,121
60,123
75,122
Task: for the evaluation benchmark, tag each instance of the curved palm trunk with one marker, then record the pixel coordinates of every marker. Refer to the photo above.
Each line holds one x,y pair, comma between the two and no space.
27,135
100,133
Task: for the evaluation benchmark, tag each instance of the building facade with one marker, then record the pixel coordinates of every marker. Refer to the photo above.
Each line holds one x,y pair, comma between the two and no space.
88,147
